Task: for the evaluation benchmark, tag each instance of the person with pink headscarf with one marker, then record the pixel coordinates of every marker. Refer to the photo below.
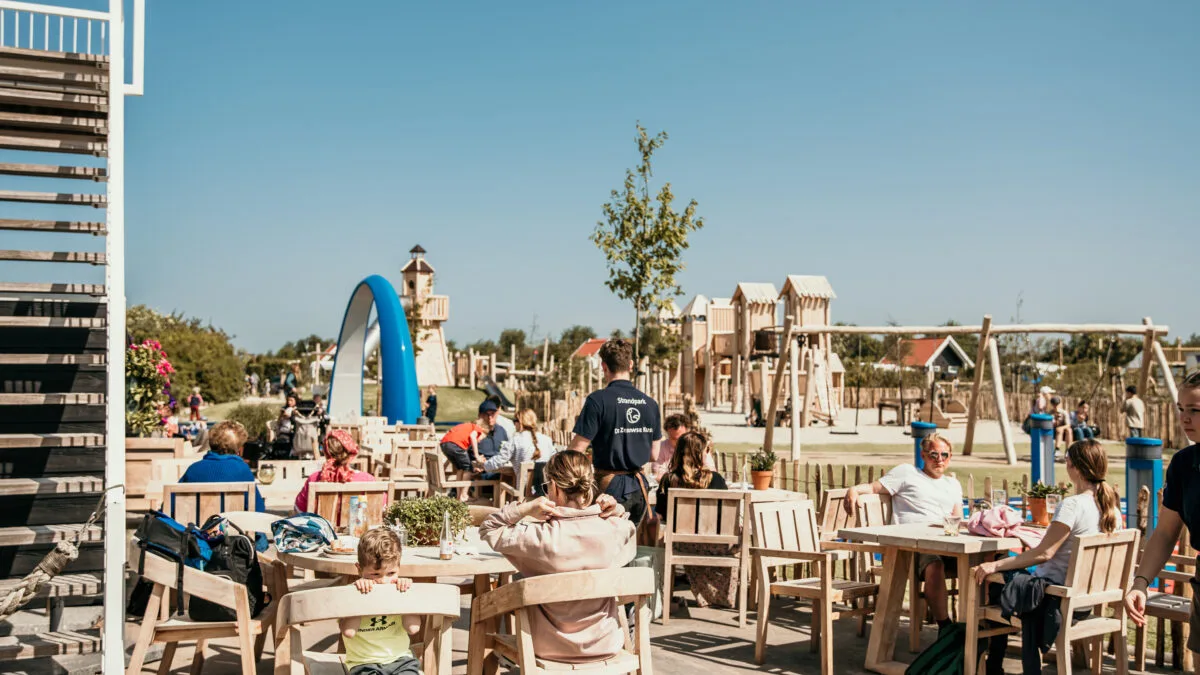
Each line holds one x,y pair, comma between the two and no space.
340,450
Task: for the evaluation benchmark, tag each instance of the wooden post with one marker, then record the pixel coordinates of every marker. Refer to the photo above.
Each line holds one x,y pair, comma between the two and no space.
769,438
492,366
977,384
546,355
471,369
794,386
551,368
810,386
762,389
708,377
1010,451
1147,362
591,379
1171,386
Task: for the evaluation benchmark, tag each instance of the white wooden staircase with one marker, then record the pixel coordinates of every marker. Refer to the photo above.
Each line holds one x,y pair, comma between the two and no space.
53,108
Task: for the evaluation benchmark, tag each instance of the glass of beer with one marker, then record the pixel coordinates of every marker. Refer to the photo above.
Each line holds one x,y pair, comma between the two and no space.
951,524
266,474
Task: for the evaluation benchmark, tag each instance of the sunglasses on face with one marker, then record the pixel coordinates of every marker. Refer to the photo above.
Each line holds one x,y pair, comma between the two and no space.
939,455
546,488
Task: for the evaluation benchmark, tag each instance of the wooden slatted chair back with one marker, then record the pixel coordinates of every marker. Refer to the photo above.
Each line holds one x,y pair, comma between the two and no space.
833,515
196,502
435,472
873,510
786,525
414,432
705,516
331,501
407,458
1102,567
171,470
292,470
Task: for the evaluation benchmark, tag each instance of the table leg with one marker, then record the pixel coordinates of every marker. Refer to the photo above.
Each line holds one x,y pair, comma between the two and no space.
485,652
882,644
967,594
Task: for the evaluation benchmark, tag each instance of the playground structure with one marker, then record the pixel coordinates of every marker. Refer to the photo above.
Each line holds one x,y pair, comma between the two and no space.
400,398
987,350
941,359
732,350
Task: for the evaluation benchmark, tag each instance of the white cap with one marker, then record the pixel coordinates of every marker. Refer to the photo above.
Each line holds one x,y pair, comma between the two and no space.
1047,390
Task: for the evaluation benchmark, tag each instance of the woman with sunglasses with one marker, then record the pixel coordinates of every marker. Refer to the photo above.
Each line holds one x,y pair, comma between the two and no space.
925,495
1180,506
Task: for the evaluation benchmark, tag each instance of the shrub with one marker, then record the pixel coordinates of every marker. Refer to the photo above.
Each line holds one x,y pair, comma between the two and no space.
763,460
422,518
254,416
1040,490
202,355
147,387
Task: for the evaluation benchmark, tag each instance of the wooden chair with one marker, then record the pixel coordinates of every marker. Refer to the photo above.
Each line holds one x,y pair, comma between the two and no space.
406,459
1101,570
441,484
408,488
625,585
786,533
707,517
162,472
438,603
196,502
1172,608
414,432
331,501
522,483
249,631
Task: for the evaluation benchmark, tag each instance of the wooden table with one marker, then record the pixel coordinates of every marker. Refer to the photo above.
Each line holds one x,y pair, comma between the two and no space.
423,565
900,543
903,412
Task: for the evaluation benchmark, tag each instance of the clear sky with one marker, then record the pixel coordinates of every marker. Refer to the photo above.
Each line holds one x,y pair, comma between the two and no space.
935,160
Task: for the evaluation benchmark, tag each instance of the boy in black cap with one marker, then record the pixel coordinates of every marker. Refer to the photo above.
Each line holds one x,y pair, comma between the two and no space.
622,425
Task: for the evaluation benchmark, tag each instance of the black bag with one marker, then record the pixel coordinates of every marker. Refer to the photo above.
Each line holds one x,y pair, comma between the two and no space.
167,538
944,656
234,558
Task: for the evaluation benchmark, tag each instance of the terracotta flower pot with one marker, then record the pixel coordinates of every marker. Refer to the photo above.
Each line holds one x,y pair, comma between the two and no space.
1037,509
762,479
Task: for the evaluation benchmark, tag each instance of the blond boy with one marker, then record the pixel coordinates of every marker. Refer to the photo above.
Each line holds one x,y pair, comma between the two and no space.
379,645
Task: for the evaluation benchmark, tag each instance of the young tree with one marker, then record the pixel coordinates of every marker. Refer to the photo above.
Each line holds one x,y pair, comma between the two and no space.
643,237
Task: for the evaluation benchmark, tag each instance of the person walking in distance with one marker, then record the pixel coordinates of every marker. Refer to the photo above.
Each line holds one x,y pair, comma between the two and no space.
1135,412
622,426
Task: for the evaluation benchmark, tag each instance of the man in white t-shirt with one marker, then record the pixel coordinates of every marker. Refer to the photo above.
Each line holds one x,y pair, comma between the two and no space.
925,495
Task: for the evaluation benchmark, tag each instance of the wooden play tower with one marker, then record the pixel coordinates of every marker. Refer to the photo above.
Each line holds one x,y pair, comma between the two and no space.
431,311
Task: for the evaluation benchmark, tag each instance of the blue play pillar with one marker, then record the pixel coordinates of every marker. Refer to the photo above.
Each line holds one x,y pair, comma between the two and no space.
1041,448
919,431
1143,467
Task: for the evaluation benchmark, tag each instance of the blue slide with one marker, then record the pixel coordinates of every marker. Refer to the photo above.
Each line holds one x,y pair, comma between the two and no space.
397,367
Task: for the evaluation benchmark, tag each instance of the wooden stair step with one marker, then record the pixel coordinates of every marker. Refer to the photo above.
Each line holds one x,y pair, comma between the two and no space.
52,359
60,100
97,201
90,257
54,171
44,141
69,398
29,535
16,70
51,57
51,322
59,643
62,586
64,288
56,485
73,226
94,126
51,440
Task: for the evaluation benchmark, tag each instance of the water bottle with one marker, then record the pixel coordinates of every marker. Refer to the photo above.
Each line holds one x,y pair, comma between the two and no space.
446,544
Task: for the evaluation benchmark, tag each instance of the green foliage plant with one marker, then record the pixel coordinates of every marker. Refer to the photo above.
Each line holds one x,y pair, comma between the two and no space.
1040,490
422,518
147,387
254,416
763,460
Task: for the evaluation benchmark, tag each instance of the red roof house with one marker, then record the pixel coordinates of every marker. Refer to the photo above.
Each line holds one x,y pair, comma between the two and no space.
939,353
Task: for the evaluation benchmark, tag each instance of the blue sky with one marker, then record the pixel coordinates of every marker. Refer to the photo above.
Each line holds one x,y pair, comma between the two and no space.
935,160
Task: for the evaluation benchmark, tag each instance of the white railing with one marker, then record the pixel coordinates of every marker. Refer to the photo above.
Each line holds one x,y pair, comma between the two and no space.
49,28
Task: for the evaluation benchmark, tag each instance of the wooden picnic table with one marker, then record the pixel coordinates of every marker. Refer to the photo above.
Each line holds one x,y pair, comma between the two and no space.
904,413
900,544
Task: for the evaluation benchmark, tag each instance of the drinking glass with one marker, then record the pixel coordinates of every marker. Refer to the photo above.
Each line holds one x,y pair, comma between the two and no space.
266,474
951,523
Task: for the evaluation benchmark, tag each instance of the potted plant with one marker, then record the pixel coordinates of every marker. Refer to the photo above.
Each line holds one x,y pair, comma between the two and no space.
422,518
762,468
147,388
1036,495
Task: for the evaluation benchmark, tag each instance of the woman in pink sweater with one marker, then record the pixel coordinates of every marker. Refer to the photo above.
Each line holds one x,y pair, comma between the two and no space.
340,450
565,532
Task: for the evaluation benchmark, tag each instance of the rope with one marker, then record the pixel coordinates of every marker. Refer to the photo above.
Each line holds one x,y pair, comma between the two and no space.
50,566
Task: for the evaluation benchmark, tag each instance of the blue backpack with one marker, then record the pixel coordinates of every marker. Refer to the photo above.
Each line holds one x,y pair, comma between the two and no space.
302,533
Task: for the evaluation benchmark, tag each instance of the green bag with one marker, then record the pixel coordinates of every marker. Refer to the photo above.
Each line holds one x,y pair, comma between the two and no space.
944,656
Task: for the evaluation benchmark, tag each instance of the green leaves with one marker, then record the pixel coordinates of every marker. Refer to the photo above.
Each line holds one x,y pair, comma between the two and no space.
422,518
643,238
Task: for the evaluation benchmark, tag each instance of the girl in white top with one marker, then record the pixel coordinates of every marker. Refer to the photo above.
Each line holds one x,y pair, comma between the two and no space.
1094,508
527,445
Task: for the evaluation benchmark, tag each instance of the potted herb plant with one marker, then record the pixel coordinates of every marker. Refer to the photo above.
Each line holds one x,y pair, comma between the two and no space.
762,468
422,518
1035,496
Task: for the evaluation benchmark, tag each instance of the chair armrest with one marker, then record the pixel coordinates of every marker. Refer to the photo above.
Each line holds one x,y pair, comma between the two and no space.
994,578
1178,577
1061,591
791,555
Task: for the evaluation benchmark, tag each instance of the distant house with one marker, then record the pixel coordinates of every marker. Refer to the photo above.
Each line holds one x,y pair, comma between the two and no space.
590,351
937,354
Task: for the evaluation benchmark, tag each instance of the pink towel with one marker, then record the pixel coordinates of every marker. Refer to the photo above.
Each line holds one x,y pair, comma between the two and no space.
1002,521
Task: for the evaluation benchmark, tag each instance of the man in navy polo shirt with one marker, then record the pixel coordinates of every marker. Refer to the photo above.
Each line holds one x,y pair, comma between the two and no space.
622,425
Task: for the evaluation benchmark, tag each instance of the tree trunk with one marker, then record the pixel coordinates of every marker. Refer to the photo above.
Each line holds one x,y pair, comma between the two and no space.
637,339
